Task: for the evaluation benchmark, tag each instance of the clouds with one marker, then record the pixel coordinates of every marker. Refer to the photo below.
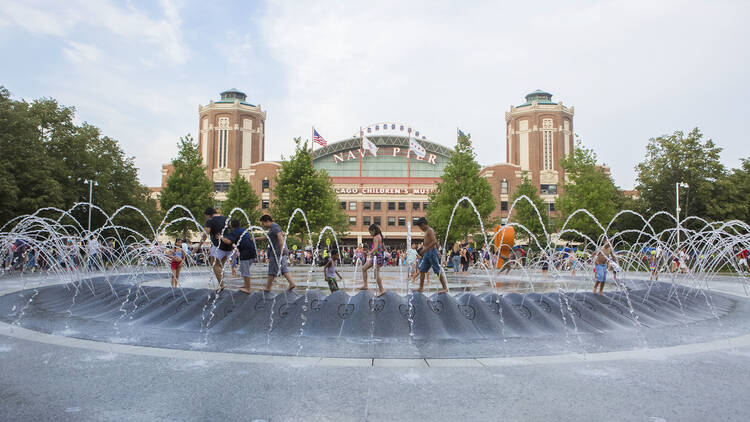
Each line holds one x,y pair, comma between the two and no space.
632,69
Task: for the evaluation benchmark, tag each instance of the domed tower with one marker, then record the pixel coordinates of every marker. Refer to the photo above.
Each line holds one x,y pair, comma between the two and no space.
232,137
539,134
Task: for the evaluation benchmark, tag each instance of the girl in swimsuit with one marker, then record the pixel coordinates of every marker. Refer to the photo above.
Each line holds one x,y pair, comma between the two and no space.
177,255
375,256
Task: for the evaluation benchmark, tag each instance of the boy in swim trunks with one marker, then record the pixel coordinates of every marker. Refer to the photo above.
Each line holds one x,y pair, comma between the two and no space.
430,258
600,268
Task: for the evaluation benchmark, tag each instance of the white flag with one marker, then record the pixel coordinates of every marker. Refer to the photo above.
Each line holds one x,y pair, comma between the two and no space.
416,148
370,146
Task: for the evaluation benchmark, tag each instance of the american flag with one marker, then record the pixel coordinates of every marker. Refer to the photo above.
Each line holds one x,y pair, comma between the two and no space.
319,139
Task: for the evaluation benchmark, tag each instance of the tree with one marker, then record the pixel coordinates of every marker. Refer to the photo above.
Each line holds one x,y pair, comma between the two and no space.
679,158
187,186
523,213
460,178
241,195
299,185
730,197
588,187
46,157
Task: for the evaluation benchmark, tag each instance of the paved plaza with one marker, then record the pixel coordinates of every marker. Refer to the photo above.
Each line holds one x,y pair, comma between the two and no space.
697,374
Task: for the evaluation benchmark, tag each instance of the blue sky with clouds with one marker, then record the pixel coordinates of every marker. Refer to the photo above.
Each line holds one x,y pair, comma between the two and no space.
632,69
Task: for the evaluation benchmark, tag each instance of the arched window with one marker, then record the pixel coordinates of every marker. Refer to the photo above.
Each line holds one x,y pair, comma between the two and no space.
223,142
504,187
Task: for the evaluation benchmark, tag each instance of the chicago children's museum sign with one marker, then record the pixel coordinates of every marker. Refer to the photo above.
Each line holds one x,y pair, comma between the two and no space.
385,191
356,154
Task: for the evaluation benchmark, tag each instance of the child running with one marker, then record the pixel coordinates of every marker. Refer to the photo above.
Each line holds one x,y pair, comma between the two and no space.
375,255
331,272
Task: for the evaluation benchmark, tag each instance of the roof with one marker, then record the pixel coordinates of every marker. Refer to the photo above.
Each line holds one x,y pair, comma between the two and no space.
538,92
541,97
233,91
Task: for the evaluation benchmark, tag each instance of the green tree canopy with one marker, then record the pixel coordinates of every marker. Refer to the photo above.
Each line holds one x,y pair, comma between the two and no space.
460,178
679,158
46,158
588,187
730,198
523,213
241,195
299,185
187,186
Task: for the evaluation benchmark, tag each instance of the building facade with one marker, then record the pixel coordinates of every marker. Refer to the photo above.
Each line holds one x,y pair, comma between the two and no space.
389,188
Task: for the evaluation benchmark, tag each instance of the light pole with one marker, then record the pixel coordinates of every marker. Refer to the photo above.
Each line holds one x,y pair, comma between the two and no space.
91,184
677,187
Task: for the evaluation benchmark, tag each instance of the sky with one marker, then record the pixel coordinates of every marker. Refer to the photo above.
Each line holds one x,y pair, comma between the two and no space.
632,69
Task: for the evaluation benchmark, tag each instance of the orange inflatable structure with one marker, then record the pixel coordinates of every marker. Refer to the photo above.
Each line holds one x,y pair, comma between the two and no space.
505,238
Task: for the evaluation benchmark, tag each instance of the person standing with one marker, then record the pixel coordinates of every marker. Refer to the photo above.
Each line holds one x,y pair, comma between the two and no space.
277,254
603,256
430,258
375,259
214,228
176,255
241,239
456,257
331,272
411,262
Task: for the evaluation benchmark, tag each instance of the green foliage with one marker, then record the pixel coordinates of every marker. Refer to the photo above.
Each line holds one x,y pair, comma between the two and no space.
730,198
187,186
460,178
587,187
241,195
679,158
299,185
524,213
46,157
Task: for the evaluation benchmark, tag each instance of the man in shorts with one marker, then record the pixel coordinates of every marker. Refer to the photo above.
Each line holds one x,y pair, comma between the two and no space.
277,254
604,255
430,258
240,238
214,228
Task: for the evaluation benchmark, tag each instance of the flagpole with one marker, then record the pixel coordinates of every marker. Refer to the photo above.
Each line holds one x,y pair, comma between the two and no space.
360,154
312,140
408,162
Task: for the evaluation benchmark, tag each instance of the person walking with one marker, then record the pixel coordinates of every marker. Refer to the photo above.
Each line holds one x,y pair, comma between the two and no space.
277,254
430,257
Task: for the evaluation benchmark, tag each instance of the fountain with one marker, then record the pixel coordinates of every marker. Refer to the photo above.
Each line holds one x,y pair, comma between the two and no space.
112,285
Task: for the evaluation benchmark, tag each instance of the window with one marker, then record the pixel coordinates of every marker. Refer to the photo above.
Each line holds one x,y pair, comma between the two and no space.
223,142
376,206
402,206
376,220
221,186
416,133
393,126
551,207
391,221
377,127
365,205
352,206
402,221
415,206
366,221
424,206
548,189
265,185
391,206
343,205
401,127
264,204
369,130
352,221
547,151
414,221
504,187
503,205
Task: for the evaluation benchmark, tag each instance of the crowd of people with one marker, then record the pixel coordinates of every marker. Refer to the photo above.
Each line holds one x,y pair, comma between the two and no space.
226,243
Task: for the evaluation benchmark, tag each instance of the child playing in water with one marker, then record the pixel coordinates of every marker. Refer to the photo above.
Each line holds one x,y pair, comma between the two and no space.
176,257
375,259
331,272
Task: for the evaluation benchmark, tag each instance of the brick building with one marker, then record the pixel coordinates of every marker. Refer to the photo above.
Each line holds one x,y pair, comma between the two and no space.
390,188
